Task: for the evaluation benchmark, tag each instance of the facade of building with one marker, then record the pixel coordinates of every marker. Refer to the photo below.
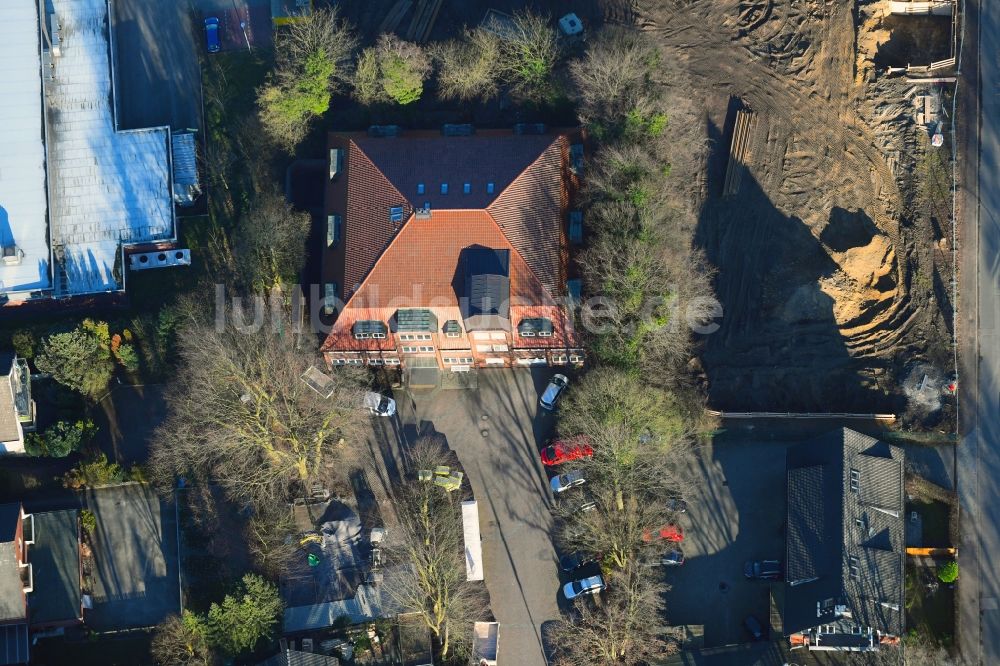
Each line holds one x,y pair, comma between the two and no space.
451,252
17,409
845,543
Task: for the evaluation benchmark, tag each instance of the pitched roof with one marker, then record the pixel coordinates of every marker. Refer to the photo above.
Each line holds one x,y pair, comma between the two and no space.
845,543
55,562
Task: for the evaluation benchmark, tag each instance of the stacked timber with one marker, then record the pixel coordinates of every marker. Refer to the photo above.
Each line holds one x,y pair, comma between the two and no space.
739,152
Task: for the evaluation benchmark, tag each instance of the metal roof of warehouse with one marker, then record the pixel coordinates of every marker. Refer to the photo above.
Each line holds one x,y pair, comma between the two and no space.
22,153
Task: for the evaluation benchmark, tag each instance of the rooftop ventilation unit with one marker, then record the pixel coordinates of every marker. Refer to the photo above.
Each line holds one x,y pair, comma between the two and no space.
423,213
143,260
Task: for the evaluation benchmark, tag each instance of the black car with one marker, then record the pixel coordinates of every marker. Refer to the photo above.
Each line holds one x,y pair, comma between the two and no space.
574,561
762,569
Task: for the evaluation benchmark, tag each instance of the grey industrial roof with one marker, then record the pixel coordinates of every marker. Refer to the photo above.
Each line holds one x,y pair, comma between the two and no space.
833,529
486,286
55,561
11,588
22,152
107,187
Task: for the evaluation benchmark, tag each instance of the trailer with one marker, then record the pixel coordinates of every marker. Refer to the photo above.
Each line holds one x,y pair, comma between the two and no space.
485,643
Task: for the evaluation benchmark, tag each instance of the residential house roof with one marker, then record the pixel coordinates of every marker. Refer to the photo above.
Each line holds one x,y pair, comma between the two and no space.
11,588
55,561
14,644
845,533
519,182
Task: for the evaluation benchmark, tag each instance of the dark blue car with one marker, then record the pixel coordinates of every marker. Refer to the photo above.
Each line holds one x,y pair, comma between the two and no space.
212,35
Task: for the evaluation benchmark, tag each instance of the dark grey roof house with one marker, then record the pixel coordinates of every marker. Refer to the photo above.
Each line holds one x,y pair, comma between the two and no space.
845,544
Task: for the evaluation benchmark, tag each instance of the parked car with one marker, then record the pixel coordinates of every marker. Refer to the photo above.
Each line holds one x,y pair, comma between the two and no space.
677,505
669,532
753,626
564,482
379,404
564,450
555,388
574,561
762,569
212,35
591,585
674,558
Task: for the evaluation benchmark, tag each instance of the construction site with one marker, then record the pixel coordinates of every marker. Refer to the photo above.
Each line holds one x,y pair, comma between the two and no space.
826,199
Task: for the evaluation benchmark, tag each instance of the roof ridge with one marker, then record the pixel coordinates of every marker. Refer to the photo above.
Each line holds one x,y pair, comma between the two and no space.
519,176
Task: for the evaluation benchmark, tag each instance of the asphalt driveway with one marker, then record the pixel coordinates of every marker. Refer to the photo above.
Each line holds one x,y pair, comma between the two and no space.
495,431
135,558
736,514
157,77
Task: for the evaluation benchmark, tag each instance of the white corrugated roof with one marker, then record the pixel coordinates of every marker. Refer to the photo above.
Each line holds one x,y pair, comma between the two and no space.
22,154
107,187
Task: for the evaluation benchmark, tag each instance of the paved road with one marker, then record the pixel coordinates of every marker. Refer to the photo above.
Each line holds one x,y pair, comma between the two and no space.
979,453
157,74
510,485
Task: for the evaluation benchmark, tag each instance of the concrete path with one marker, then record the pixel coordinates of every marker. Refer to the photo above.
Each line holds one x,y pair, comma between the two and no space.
510,485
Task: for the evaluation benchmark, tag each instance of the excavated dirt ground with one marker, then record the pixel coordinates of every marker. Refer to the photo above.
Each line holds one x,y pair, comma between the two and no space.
832,271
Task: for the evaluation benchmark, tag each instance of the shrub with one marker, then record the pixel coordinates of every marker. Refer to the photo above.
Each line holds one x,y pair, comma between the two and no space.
96,471
88,520
79,359
948,572
24,343
60,439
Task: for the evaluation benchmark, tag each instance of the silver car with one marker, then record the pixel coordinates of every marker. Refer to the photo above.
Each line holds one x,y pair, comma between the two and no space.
591,585
379,404
555,388
564,482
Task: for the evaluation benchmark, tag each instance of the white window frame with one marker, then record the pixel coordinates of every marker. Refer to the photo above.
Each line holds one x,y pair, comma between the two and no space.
426,348
392,361
375,361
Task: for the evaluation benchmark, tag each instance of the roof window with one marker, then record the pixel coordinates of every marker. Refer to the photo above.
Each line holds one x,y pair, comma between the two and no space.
444,188
490,187
467,188
396,213
420,188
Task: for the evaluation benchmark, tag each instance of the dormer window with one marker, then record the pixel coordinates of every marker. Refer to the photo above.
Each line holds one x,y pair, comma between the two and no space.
452,329
368,328
855,480
536,326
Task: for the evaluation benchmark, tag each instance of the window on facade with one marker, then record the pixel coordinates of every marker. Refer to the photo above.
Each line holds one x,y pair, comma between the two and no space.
374,361
409,350
425,349
354,361
333,229
392,361
855,480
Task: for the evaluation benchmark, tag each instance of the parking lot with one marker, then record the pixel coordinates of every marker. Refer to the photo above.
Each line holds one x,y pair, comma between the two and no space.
158,79
736,514
496,430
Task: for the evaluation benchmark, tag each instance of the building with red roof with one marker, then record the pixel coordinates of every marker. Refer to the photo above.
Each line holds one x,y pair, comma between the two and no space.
451,252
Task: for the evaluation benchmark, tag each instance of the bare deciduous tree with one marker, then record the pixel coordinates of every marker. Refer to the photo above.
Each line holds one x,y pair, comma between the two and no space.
181,641
469,69
239,411
625,629
428,551
271,242
529,52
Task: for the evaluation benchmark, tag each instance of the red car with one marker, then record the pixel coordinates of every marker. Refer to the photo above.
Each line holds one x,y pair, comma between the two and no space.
564,450
669,532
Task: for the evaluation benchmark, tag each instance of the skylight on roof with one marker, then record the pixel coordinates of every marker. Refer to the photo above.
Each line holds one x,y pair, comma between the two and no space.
467,188
444,188
396,213
490,187
420,188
